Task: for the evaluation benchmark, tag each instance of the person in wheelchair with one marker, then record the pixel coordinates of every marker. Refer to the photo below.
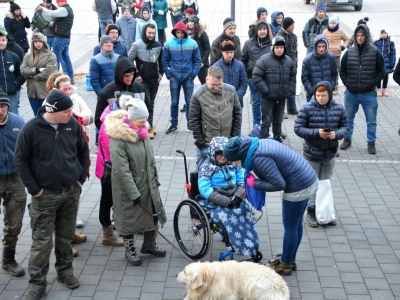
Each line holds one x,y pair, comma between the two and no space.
221,184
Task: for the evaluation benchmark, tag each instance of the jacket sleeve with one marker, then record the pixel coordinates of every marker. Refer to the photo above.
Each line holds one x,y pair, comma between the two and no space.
343,129
243,82
396,74
215,53
258,77
392,55
334,71
196,59
345,38
237,117
83,153
270,178
8,26
305,76
96,50
207,48
51,67
245,60
165,62
94,71
301,126
219,199
19,79
26,71
195,114
343,68
207,191
83,110
132,52
100,106
159,59
252,31
380,67
306,32
292,85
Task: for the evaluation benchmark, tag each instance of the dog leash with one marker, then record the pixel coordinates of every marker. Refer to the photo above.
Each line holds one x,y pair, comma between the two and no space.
140,206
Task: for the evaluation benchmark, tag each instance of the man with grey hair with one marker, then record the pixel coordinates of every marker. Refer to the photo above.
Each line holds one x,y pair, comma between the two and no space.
214,111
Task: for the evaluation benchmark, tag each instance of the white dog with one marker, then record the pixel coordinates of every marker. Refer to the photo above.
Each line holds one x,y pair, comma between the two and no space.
232,280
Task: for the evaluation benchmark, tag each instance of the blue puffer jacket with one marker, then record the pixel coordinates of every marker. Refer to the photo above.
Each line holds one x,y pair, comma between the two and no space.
8,139
277,167
275,26
318,67
181,58
389,57
101,70
314,116
234,74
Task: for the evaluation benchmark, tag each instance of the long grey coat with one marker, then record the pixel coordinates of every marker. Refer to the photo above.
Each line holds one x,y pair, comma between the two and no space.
134,174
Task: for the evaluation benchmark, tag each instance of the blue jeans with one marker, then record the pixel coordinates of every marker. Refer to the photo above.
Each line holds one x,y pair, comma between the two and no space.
324,170
36,103
292,218
50,40
291,103
103,23
369,103
255,98
61,50
175,20
13,103
201,156
175,88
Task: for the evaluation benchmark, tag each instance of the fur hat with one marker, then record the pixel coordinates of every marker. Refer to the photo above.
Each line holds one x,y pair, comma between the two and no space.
38,36
14,6
321,7
104,39
363,21
4,99
111,27
228,22
287,22
189,11
228,45
57,101
334,19
260,10
137,109
231,149
194,19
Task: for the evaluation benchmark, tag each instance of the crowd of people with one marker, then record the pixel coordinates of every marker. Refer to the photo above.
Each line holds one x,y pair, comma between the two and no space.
49,154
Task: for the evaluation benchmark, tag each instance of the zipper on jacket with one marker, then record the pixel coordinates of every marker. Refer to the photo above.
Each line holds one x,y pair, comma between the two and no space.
56,137
4,71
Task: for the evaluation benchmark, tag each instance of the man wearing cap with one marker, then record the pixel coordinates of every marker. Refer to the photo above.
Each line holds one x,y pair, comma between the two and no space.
319,65
214,111
11,79
262,15
52,160
229,33
102,65
49,30
105,10
274,76
315,26
12,191
63,20
114,32
181,63
362,68
253,49
287,32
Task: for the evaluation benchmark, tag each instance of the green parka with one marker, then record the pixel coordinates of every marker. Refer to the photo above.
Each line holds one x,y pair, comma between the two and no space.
134,174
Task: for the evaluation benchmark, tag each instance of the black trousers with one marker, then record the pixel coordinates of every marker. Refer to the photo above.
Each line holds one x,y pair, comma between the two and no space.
151,89
202,74
106,202
269,109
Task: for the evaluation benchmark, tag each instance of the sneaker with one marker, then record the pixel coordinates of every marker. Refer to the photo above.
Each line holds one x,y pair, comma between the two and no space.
371,148
279,267
346,144
70,281
171,129
151,133
283,135
294,263
36,295
188,130
79,223
332,223
293,112
79,238
337,154
285,116
183,109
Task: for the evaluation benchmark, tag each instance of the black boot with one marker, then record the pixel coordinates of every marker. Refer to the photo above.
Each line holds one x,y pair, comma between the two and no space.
311,219
10,264
149,244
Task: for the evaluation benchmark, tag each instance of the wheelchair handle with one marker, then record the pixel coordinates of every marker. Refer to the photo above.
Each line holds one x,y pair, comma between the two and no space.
184,160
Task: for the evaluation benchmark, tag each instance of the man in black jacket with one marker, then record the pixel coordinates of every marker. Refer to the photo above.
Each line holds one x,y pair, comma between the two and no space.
52,160
274,76
361,80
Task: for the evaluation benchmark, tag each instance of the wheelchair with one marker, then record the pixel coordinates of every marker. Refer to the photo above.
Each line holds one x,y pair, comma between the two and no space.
194,227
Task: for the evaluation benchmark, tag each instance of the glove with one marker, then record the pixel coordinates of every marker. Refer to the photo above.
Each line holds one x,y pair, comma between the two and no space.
235,203
250,180
342,48
136,201
160,12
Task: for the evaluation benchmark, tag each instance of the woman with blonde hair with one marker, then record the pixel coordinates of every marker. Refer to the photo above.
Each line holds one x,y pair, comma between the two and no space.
36,67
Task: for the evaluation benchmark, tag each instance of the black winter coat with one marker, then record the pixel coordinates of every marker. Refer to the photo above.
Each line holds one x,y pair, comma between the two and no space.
203,42
216,47
16,30
11,79
275,77
396,74
252,51
291,44
314,116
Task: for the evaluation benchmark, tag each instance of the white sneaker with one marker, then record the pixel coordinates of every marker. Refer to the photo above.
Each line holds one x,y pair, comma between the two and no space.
79,223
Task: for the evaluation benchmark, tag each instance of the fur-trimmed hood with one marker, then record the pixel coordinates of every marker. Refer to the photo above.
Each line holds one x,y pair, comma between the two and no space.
9,15
117,129
203,28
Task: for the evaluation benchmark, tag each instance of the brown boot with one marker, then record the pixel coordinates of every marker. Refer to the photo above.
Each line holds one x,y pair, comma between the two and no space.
75,252
79,238
110,239
151,133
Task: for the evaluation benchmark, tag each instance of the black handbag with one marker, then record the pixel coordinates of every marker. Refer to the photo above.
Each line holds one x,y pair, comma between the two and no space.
106,178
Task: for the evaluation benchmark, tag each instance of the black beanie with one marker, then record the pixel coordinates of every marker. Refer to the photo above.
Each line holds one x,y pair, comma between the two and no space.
363,21
14,6
4,99
287,22
57,101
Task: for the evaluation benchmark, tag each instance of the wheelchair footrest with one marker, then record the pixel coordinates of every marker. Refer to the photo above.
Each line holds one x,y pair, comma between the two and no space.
226,254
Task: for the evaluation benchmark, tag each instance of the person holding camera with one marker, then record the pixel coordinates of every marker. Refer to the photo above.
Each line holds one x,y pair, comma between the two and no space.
322,122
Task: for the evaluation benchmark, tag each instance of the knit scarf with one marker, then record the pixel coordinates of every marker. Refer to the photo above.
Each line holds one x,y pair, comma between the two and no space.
248,161
142,133
333,29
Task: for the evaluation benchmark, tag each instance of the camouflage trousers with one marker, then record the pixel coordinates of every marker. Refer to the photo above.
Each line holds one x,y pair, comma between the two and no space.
13,197
53,210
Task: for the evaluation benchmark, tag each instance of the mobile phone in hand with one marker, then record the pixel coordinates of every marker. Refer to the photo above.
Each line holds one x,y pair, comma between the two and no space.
328,130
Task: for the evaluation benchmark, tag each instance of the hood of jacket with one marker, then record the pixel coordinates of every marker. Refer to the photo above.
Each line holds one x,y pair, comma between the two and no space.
367,34
9,15
267,38
328,87
180,26
274,15
122,66
149,44
117,129
216,144
320,38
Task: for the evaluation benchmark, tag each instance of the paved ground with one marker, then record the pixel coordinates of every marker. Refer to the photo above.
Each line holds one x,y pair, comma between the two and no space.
357,259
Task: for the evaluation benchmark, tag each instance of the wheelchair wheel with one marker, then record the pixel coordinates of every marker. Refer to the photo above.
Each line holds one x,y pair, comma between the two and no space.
192,229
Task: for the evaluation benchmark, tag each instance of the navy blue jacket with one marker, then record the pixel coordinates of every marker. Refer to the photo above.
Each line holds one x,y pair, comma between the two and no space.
275,26
235,75
318,67
8,138
278,167
314,116
11,79
388,56
101,70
